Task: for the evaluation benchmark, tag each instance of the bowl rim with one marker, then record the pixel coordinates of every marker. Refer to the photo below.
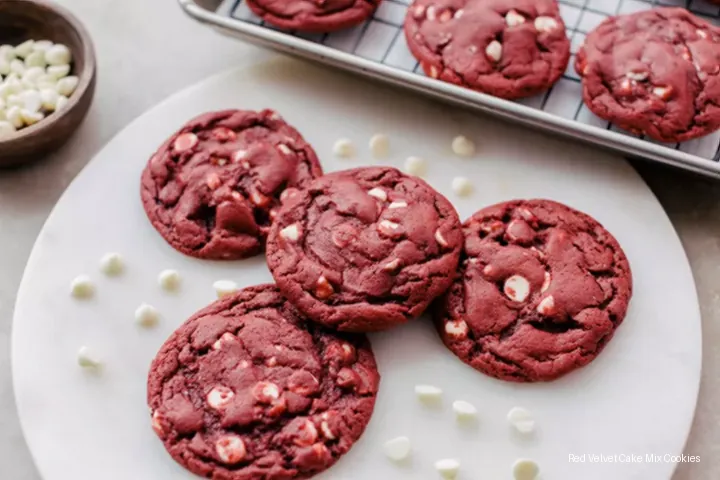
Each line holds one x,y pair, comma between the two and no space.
85,77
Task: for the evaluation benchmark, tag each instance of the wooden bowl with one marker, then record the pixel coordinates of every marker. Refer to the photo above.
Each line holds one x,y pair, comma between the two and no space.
21,20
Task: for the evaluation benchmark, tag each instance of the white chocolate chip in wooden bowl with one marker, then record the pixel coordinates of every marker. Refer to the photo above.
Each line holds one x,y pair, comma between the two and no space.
462,186
525,469
223,288
494,51
464,411
82,287
379,145
521,420
112,264
397,449
448,468
516,288
147,316
169,280
428,394
344,148
415,166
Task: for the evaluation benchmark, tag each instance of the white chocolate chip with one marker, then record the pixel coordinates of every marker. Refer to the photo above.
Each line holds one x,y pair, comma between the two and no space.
7,52
513,19
546,306
24,49
112,264
398,204
266,392
259,199
230,449
344,148
387,227
62,101
462,186
219,397
156,423
35,59
326,431
448,468
463,146
30,78
456,328
14,116
284,149
184,142
82,287
701,33
42,45
637,76
86,358
49,99
494,51
223,288
378,193
7,129
225,338
428,393
459,13
291,232
30,117
306,434
419,11
67,85
464,411
522,420
517,288
415,166
433,71
546,283
397,449
392,265
545,24
58,54
430,13
524,469
58,71
440,239
662,92
146,316
379,145
323,288
169,280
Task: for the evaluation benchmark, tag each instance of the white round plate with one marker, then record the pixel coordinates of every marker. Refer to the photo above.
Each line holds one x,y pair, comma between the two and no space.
637,398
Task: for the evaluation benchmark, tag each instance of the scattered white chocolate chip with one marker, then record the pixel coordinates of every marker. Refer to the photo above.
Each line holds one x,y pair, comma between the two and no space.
524,469
448,468
701,33
58,54
230,449
397,449
516,288
112,264
344,148
459,13
223,288
521,419
146,316
546,306
169,280
86,358
462,186
219,397
378,193
494,51
464,411
82,287
266,392
415,166
291,232
428,393
398,204
545,24
456,328
463,146
379,145
513,19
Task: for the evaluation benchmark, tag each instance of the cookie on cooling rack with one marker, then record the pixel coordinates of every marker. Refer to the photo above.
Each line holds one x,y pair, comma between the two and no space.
314,15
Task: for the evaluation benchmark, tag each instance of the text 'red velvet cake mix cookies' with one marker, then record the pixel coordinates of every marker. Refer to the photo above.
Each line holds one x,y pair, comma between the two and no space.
246,390
364,249
507,48
313,15
654,72
212,189
541,290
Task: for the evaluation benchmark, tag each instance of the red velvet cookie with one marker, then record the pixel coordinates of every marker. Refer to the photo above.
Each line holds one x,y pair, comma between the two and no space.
212,188
364,249
507,48
541,290
246,390
313,15
654,73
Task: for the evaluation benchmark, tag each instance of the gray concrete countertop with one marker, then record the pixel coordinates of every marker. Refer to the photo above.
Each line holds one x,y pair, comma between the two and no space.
149,50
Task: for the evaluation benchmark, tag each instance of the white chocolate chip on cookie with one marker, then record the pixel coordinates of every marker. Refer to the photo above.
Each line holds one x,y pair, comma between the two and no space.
378,193
266,392
219,397
545,24
323,288
456,328
230,449
517,288
546,282
513,19
291,232
185,142
388,228
440,239
546,306
494,51
398,204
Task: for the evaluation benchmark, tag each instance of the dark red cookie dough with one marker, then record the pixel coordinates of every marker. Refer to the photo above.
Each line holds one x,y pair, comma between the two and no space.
507,48
541,290
313,15
365,249
654,73
246,390
212,188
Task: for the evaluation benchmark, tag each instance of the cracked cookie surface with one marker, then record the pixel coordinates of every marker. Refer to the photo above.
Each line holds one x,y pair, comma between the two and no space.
655,73
313,15
247,390
364,249
507,48
542,288
212,189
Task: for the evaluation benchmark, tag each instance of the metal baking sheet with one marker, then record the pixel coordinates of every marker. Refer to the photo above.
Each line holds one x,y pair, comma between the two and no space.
377,49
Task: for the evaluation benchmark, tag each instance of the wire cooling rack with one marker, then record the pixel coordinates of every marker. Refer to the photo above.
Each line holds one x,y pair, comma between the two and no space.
381,42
